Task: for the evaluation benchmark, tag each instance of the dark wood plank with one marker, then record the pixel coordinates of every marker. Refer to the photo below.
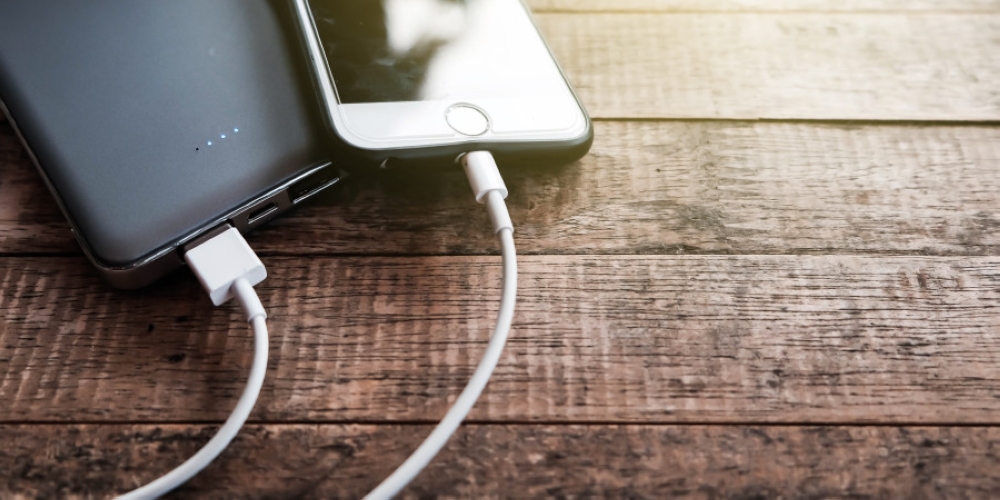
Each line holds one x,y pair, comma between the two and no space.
728,6
503,461
782,66
30,221
827,339
646,187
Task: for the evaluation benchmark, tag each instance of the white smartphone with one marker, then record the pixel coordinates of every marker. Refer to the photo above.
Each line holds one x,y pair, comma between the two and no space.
412,79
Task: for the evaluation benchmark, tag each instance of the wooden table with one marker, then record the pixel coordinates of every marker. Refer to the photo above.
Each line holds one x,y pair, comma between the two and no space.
776,275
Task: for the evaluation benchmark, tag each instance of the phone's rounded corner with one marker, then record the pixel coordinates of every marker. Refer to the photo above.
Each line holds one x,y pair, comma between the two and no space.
138,274
579,147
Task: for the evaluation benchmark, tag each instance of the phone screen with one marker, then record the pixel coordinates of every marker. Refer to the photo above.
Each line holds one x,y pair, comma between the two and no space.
399,67
414,50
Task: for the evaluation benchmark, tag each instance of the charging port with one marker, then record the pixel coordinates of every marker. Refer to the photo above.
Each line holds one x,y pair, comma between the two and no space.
261,212
313,183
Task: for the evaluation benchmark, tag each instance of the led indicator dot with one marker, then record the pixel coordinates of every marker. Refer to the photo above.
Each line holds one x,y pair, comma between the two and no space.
223,136
236,130
209,143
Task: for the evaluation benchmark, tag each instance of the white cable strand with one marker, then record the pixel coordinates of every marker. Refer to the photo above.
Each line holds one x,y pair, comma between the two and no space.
449,424
246,295
226,267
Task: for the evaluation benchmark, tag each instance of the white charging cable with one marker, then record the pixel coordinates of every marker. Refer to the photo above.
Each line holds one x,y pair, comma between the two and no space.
489,188
227,267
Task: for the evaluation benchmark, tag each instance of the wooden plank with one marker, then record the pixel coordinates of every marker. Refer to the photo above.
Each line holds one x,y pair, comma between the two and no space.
30,220
787,66
938,6
694,339
938,66
333,461
646,187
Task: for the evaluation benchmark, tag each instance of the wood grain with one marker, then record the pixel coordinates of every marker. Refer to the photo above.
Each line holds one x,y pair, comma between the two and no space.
790,66
504,461
646,188
933,66
728,6
833,330
829,339
30,221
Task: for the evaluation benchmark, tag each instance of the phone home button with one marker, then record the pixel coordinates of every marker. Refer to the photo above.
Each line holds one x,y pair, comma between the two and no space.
467,119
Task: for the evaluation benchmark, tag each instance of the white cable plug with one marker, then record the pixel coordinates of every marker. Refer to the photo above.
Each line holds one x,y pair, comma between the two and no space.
488,187
221,260
484,177
226,267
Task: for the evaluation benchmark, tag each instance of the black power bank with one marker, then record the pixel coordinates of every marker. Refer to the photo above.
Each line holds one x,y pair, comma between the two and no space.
154,122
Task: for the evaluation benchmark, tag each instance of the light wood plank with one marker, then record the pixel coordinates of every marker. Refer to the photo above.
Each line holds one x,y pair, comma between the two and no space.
646,187
765,5
790,66
631,339
332,461
783,66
